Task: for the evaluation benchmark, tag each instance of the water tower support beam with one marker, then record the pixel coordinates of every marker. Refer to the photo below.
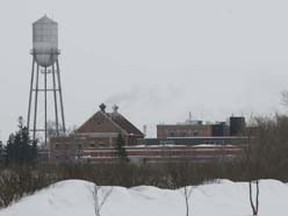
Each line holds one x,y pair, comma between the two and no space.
60,93
36,101
30,95
55,99
45,103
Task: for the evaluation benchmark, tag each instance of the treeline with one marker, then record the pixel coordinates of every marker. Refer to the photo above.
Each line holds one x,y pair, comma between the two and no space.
20,149
266,153
265,156
16,181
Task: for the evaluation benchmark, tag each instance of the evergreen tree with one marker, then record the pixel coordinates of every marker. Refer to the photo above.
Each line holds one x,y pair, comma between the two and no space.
2,151
20,148
120,150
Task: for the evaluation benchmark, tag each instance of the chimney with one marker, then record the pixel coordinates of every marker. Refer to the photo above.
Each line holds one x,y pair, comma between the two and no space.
115,109
145,130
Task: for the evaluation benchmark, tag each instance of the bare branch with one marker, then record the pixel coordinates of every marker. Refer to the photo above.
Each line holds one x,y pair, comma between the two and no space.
187,194
105,197
254,207
95,194
284,99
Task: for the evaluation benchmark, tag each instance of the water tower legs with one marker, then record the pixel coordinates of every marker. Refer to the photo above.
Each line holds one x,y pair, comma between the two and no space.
55,100
61,97
30,94
45,105
50,85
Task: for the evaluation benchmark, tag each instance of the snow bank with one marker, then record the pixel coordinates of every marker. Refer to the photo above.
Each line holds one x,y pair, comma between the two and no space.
225,198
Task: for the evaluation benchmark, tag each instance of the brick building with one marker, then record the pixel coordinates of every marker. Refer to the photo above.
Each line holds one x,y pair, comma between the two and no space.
184,130
192,129
167,153
98,132
96,139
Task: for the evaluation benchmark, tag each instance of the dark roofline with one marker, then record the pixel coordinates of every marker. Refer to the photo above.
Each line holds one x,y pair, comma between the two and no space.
107,117
118,120
117,115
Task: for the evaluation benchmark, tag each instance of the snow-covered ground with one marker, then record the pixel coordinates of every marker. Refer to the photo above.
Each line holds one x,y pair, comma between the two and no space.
225,198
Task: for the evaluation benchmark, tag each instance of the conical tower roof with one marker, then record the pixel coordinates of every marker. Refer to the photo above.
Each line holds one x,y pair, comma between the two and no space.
45,19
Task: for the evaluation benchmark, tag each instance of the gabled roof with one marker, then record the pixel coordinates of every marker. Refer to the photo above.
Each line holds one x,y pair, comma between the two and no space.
109,122
125,124
98,123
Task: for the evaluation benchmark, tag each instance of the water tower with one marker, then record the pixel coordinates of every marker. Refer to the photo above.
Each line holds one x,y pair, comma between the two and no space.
45,98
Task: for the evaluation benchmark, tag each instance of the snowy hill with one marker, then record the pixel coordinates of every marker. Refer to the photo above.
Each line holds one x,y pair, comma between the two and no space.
226,198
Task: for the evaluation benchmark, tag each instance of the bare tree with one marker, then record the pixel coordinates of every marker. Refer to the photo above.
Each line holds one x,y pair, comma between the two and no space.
252,161
284,99
98,204
187,191
52,129
250,166
181,176
254,203
260,153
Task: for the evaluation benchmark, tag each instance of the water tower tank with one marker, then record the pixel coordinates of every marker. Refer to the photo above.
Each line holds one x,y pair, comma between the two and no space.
45,41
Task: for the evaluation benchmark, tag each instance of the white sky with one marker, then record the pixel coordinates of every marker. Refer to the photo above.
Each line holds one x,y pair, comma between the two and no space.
156,59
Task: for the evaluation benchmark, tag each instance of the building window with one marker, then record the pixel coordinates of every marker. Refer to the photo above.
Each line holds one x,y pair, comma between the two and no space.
102,144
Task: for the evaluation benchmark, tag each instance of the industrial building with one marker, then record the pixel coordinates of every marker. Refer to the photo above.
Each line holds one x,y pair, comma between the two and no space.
235,127
98,132
96,141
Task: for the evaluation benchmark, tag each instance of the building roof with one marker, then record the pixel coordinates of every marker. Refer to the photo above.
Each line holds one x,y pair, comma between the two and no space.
102,121
44,20
126,125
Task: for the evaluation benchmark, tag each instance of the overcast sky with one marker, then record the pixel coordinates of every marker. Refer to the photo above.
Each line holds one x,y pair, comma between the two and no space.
156,59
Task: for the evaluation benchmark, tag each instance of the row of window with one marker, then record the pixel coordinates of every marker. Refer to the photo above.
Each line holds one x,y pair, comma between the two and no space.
184,134
79,146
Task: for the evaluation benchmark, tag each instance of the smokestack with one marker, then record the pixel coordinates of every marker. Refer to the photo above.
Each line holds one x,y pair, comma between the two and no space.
145,130
115,109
